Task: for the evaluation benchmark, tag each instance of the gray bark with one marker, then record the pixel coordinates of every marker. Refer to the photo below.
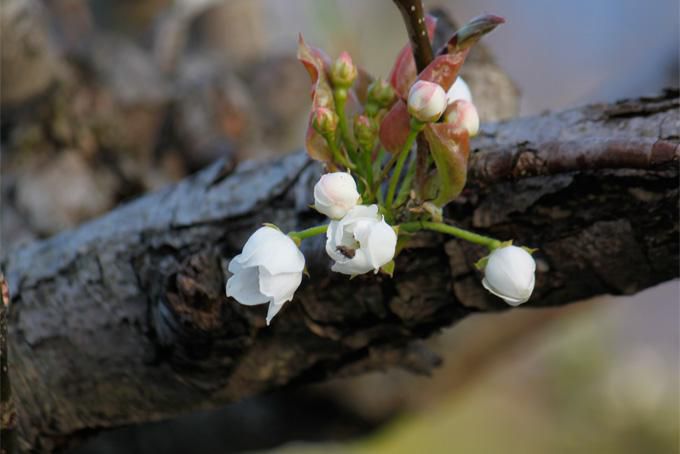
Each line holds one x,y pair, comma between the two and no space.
124,319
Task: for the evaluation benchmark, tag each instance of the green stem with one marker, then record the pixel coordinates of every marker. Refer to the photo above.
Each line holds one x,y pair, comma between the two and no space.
338,155
340,96
405,187
416,127
388,166
377,162
308,233
466,235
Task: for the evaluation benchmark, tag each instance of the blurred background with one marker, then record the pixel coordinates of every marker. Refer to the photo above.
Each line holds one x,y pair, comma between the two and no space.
105,100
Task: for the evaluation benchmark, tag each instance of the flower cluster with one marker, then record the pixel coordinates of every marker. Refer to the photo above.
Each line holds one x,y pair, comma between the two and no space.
380,189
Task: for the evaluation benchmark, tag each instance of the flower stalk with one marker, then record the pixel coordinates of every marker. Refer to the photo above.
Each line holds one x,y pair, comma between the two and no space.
488,242
416,127
300,235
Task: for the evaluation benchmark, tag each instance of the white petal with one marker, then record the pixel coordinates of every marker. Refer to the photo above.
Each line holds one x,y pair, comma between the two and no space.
244,287
331,241
381,245
235,264
274,250
459,90
359,264
320,195
272,310
279,287
362,211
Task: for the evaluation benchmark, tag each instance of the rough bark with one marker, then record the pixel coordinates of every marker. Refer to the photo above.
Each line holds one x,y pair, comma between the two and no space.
124,319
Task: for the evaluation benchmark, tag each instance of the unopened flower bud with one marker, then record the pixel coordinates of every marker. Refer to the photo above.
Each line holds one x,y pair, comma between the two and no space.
381,93
366,131
426,101
464,114
509,274
324,121
343,71
335,194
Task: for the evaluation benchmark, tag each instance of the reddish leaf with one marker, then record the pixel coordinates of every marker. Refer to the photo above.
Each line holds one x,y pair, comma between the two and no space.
403,72
360,87
450,149
444,69
471,32
316,145
316,62
395,127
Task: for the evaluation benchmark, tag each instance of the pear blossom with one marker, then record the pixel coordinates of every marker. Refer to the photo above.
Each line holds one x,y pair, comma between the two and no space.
459,90
509,274
464,114
335,194
361,241
426,101
268,270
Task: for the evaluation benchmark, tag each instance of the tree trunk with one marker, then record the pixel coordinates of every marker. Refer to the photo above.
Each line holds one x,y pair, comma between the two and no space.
124,320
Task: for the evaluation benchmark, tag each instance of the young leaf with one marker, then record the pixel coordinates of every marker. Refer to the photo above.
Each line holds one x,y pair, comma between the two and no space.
450,149
395,127
316,62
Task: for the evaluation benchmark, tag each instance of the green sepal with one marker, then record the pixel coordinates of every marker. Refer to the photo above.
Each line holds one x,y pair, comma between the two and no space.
388,268
481,263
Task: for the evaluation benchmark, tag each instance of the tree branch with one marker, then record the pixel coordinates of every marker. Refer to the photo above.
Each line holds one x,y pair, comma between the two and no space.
414,20
124,319
8,416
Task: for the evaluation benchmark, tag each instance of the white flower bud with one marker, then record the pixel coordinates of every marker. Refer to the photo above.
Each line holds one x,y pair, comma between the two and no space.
459,90
269,270
335,194
361,241
426,101
509,274
464,114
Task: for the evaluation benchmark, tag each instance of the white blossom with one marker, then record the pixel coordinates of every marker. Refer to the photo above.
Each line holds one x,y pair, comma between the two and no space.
426,101
459,90
509,274
335,194
268,270
361,241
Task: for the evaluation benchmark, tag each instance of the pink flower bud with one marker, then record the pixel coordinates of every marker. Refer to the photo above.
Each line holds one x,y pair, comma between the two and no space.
324,120
426,101
343,71
335,194
463,114
365,131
